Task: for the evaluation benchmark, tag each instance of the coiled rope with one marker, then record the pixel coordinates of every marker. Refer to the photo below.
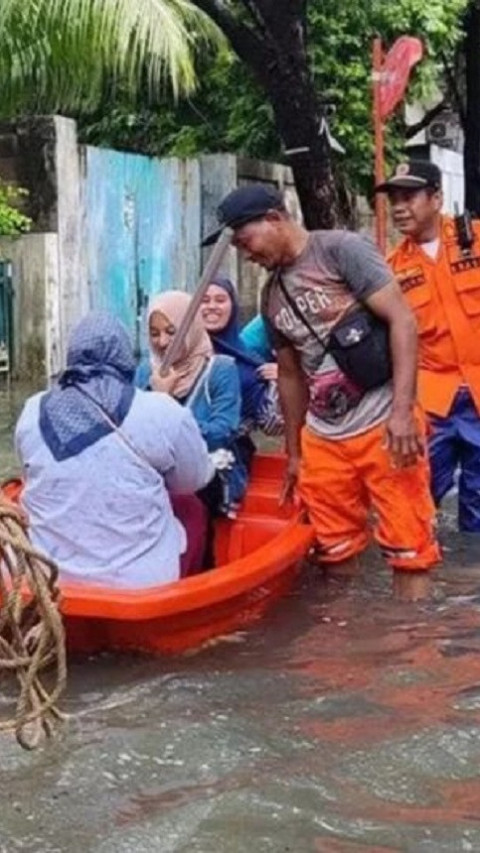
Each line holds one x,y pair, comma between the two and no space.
32,637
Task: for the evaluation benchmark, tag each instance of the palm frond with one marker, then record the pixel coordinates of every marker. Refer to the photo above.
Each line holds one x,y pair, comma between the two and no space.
60,54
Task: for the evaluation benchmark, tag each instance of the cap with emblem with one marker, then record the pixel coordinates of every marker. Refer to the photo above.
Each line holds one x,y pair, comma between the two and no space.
244,205
414,175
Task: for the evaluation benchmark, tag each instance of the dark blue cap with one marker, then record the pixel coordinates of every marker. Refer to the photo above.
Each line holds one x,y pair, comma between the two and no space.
413,175
244,205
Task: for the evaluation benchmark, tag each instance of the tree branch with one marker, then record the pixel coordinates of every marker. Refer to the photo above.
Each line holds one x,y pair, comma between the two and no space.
246,44
412,129
254,13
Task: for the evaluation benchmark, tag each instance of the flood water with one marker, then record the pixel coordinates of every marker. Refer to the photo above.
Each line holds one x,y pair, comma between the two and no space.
344,722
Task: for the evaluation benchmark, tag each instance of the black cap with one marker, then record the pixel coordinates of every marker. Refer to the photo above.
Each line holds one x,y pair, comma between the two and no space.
414,175
244,205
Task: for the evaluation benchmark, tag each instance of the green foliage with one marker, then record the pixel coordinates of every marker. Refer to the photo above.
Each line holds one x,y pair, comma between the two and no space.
116,65
58,55
12,220
228,112
341,46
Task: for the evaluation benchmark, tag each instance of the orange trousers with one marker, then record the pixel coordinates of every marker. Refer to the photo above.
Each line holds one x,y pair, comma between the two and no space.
342,481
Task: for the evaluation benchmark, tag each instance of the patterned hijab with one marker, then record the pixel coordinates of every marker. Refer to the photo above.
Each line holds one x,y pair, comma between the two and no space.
99,375
197,348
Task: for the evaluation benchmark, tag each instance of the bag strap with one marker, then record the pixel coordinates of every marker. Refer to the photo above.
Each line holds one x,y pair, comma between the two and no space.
300,315
118,432
324,343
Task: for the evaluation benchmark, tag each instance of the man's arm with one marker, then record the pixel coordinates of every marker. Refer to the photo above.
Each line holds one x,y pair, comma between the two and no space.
293,392
366,273
402,435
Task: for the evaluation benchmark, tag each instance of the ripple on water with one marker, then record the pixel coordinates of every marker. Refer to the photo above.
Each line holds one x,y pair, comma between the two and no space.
343,722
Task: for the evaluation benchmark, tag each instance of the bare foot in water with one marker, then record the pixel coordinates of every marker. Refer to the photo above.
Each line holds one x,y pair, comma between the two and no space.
411,586
346,569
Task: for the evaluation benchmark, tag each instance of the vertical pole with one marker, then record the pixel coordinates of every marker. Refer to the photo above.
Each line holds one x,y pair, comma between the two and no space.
380,200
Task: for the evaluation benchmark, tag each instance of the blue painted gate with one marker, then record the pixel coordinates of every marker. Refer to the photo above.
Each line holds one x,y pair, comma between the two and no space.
141,226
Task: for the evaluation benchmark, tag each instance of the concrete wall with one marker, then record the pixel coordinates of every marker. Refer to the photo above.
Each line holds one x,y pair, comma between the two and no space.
121,227
128,227
140,231
35,273
72,292
221,173
28,159
117,228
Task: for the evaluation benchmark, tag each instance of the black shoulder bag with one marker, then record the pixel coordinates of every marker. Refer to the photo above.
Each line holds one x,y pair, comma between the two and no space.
359,342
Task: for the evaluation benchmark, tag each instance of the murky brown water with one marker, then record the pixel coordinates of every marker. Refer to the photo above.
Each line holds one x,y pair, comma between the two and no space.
343,722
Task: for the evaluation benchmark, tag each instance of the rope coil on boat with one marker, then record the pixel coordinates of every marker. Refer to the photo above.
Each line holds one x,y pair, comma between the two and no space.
32,637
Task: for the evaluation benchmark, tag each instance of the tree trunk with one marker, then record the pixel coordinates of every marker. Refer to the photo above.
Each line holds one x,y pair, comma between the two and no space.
471,156
274,50
308,153
301,126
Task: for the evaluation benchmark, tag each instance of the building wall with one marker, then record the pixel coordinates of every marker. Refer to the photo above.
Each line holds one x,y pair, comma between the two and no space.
125,227
35,273
451,165
120,227
221,173
140,231
117,227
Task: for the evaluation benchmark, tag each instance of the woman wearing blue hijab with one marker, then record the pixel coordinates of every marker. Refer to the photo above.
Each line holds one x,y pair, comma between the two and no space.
220,312
105,465
100,368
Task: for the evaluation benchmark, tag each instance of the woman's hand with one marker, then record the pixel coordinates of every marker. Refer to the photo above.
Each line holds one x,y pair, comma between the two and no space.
164,384
269,371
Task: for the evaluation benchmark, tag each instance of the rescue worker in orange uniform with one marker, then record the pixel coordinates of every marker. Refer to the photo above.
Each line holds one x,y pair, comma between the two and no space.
353,433
438,270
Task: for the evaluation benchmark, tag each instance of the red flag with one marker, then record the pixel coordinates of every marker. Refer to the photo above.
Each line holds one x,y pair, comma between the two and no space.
398,63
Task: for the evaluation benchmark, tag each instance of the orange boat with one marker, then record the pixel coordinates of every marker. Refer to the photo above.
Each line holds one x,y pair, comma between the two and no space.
258,555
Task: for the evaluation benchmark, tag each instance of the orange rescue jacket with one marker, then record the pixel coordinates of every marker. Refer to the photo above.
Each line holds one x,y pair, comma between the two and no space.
445,295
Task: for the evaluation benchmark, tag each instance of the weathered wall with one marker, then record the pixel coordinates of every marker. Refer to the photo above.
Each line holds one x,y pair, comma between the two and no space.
27,158
221,173
72,292
140,230
125,227
128,227
35,273
120,227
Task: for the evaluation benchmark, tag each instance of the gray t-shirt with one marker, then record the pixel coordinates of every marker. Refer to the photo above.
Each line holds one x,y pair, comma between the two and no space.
336,271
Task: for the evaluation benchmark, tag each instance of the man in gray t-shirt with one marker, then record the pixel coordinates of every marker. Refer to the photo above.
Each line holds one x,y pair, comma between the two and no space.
318,296
350,448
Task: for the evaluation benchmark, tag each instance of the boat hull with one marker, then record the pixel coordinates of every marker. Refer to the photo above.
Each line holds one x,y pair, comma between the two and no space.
258,557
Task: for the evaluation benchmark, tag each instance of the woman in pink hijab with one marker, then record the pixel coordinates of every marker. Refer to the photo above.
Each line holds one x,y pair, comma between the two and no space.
207,383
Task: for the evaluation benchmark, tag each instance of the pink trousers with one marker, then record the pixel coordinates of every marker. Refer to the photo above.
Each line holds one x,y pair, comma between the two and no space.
193,515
